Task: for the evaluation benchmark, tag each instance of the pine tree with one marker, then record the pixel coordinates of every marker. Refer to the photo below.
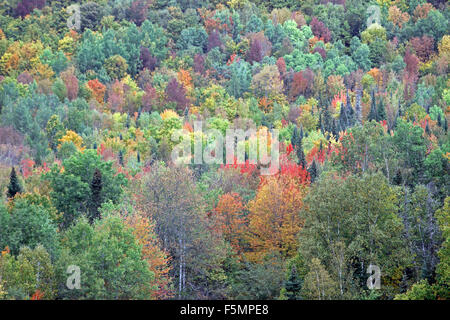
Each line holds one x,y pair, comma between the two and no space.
294,137
343,118
96,197
300,153
138,157
313,171
398,180
373,108
445,124
121,158
14,185
381,112
439,120
293,285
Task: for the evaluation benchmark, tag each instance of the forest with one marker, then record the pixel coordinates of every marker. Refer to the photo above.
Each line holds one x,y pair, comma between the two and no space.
96,97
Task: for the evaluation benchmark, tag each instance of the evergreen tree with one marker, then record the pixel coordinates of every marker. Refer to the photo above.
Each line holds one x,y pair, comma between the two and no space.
381,112
96,196
294,137
343,118
138,157
293,285
14,185
373,108
398,180
121,158
313,171
300,153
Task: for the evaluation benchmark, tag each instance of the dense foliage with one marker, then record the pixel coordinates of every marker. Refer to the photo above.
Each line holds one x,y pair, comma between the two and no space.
359,92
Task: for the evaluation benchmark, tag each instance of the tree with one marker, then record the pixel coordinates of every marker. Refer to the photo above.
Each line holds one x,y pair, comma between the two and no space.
313,171
230,219
30,273
318,284
14,186
443,268
110,258
298,146
183,227
351,223
373,108
116,67
423,234
176,93
91,14
72,188
96,201
240,78
156,257
293,285
381,111
267,82
320,30
273,219
27,224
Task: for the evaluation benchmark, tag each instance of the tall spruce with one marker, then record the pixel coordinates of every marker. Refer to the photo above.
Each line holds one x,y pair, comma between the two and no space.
294,137
293,285
381,111
299,151
96,195
313,171
373,108
14,185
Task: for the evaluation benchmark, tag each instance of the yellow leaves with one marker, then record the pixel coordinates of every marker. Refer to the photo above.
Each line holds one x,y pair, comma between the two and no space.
375,73
9,62
73,137
42,71
185,78
274,220
167,114
67,45
6,251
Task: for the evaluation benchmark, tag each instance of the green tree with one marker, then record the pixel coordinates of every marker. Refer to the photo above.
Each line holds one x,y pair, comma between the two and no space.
14,186
293,285
27,224
351,223
31,272
110,261
72,193
96,200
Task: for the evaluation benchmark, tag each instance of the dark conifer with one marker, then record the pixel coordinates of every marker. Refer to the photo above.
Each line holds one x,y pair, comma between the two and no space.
14,185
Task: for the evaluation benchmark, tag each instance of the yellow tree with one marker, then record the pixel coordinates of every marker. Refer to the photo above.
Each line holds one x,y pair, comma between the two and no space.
274,220
157,258
73,137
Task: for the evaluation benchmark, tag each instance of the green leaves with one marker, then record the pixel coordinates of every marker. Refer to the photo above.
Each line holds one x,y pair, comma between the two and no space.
110,261
71,185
